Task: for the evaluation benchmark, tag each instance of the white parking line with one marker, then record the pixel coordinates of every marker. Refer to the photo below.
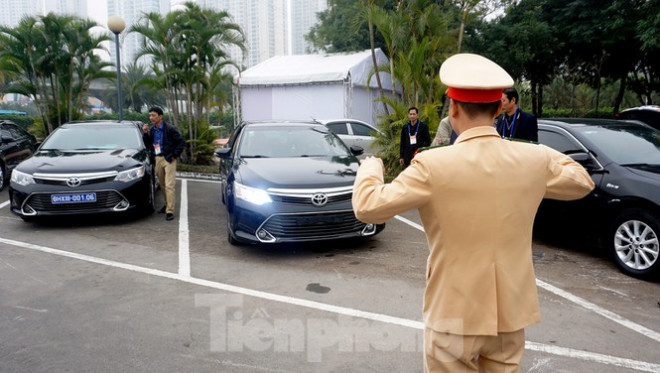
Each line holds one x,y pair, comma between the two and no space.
560,351
184,233
3,204
577,300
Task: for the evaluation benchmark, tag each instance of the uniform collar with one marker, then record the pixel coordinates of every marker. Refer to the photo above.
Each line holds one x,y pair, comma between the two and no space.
480,131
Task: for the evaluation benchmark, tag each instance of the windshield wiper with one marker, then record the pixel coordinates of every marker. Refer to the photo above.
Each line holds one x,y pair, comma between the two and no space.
254,156
640,165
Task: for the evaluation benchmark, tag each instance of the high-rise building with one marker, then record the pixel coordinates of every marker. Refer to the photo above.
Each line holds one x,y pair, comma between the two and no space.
132,11
15,10
303,17
73,7
271,27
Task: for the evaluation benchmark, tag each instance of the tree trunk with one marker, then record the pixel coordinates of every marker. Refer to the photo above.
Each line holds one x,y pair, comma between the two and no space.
534,98
539,108
619,96
375,62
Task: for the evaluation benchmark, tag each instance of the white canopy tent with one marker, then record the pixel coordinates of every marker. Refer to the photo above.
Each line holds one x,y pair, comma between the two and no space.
313,86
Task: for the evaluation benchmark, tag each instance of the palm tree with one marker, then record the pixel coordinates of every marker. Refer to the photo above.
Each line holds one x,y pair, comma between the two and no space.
188,54
51,60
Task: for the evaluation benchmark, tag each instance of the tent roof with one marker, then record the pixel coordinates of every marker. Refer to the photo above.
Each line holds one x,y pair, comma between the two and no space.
315,68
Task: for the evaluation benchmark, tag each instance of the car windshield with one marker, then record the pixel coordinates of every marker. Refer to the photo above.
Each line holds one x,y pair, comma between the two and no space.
626,145
284,142
93,138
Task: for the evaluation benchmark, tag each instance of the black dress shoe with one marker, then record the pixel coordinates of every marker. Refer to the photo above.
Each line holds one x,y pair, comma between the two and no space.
162,210
169,217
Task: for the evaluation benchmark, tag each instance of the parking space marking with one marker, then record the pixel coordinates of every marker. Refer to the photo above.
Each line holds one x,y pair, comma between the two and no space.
577,300
555,350
3,204
184,233
409,222
593,356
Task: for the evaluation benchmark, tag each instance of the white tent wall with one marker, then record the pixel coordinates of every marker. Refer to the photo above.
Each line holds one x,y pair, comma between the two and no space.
313,86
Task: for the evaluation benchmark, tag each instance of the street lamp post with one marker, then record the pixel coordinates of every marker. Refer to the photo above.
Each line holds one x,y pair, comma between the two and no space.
116,24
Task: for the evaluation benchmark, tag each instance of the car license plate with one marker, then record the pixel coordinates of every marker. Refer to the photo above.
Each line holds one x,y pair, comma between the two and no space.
72,198
317,220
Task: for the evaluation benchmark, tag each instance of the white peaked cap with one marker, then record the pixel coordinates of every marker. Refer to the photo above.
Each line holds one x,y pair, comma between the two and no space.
474,78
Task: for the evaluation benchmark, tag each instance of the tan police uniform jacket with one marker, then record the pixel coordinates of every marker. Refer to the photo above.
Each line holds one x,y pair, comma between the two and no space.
477,200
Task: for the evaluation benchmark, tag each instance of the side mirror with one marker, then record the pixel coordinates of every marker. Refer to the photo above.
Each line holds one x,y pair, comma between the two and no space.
357,150
223,153
580,157
586,160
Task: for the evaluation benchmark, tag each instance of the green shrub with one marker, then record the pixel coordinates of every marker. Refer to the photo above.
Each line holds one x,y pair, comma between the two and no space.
22,120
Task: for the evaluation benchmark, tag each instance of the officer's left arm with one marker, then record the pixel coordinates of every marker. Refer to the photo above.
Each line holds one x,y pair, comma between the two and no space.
567,179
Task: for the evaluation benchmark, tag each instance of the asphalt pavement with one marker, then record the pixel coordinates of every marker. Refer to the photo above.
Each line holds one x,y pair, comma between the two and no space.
120,294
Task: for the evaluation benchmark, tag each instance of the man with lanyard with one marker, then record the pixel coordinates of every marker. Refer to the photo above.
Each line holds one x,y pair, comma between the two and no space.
167,144
515,123
414,135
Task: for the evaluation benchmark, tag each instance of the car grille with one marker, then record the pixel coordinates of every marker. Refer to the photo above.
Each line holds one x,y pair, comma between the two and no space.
316,225
307,200
82,182
104,200
305,196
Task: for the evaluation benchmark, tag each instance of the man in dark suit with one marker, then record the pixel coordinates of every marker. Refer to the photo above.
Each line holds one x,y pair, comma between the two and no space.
414,135
515,123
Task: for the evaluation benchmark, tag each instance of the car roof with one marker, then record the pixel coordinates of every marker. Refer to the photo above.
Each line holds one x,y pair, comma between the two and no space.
588,122
281,123
326,121
652,108
99,123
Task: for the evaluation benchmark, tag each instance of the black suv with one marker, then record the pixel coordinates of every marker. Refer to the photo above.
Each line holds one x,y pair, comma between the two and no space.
16,144
623,159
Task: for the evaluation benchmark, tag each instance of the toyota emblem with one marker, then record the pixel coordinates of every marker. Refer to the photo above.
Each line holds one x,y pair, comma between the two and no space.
319,199
73,182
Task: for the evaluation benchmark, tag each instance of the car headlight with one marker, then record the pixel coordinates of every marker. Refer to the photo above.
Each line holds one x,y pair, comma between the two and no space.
21,178
130,175
252,195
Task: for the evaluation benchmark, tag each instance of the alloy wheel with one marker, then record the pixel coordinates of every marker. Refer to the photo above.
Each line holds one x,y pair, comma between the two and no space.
636,245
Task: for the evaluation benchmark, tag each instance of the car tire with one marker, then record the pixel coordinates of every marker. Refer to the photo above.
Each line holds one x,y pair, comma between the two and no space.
150,206
230,235
2,176
635,243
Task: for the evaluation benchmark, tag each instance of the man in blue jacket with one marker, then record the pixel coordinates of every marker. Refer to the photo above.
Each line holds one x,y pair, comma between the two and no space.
167,144
515,123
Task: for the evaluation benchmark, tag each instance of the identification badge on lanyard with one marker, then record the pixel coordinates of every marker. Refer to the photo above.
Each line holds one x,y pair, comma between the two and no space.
157,149
413,139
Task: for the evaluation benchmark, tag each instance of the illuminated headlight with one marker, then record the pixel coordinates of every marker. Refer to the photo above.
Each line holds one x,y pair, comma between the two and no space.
21,178
130,175
252,195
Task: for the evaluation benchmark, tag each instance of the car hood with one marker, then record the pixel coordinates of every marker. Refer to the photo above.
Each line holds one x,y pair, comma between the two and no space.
304,173
53,161
632,182
651,171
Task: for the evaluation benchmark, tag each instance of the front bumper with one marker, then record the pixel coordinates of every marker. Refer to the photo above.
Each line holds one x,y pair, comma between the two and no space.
286,222
111,197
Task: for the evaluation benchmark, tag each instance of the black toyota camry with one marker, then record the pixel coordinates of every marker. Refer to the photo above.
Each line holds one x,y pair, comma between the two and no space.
289,182
623,212
85,168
